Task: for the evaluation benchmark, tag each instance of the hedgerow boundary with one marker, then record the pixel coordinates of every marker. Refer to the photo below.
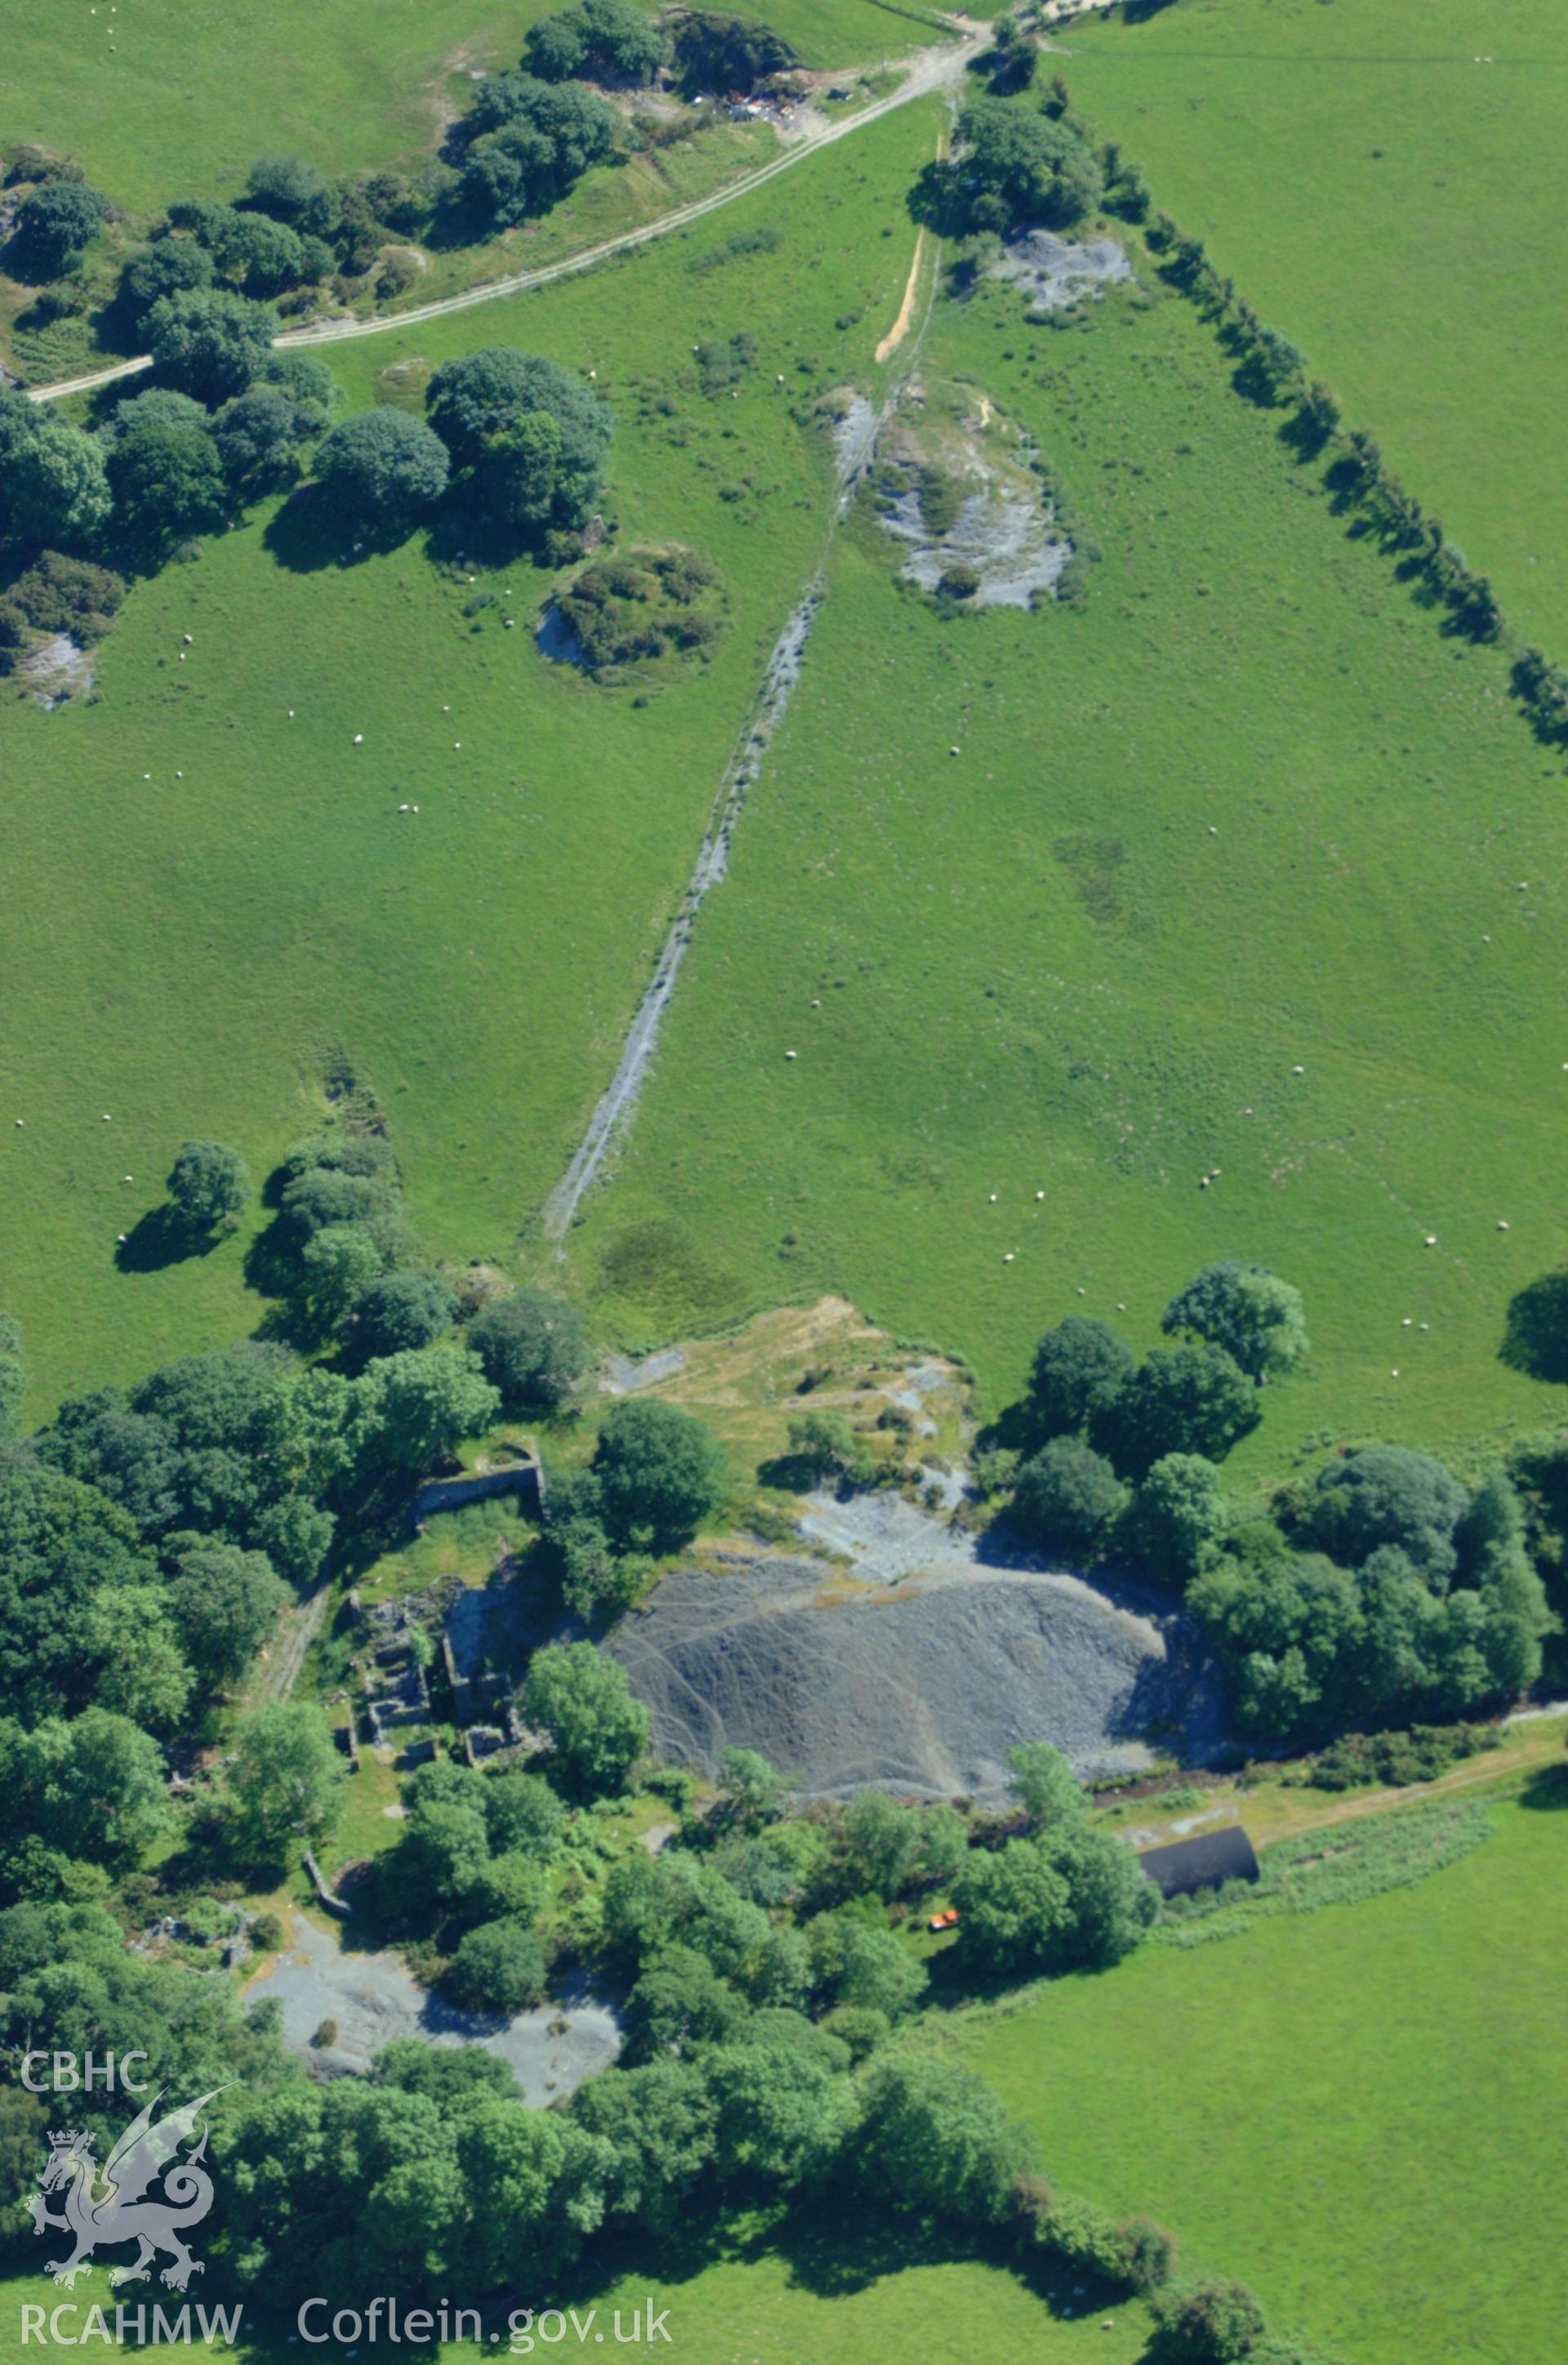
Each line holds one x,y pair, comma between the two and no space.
1275,375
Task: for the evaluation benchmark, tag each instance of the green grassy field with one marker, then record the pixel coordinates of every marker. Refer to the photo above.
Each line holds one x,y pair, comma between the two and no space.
1357,2111
160,98
828,2300
187,949
1249,809
1394,205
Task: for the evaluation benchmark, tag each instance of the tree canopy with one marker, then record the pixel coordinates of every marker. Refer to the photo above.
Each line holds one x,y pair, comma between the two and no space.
1014,167
209,1184
608,39
1067,1498
1077,1366
583,1701
532,1348
209,342
1248,1310
54,489
1188,1399
382,467
398,1311
54,224
661,1472
528,438
282,1788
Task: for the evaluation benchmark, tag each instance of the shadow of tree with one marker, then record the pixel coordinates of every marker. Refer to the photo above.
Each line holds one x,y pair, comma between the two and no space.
159,1238
313,530
1547,1791
1535,1337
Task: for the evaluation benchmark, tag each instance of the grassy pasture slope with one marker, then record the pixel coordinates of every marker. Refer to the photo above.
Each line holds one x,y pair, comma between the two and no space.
833,2300
194,89
1357,2111
1040,970
1395,208
183,948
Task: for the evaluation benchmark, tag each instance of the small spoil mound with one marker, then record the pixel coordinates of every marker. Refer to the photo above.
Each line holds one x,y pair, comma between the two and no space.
847,1684
1003,549
637,612
967,494
1057,273
57,671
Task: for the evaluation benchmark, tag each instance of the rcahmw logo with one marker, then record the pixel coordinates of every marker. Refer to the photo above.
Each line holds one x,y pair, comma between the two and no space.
145,2193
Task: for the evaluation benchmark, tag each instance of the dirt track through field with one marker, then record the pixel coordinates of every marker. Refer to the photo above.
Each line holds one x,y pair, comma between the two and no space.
895,335
931,70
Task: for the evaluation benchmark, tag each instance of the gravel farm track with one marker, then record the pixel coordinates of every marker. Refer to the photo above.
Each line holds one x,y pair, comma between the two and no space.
930,70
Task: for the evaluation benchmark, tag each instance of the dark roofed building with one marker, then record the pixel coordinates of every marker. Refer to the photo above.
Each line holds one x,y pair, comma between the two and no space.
1204,1862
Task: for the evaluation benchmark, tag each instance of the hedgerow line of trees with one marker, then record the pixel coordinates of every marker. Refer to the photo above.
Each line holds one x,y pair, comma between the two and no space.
1275,372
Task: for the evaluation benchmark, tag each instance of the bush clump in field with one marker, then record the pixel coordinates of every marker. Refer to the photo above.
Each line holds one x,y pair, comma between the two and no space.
528,440
1067,1498
640,606
382,469
164,474
532,1347
209,342
57,594
1361,1760
54,490
716,53
13,1376
524,142
398,1311
1014,166
605,40
209,1185
1248,1310
53,226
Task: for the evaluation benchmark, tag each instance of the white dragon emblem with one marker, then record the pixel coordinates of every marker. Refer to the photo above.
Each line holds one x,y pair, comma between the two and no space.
110,2203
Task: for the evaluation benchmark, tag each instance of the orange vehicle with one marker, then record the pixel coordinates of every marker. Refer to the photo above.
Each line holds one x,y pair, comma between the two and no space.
946,1920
